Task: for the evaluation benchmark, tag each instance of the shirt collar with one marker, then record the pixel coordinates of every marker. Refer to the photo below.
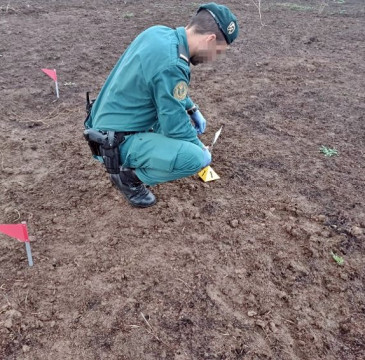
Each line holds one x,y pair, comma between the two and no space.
183,40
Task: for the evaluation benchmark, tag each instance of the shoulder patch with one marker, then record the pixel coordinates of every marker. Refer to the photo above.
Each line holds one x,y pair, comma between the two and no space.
181,90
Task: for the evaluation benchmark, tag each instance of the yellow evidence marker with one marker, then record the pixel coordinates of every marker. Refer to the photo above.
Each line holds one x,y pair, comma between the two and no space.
208,174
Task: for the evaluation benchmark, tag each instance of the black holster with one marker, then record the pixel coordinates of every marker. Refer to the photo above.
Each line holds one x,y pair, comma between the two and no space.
106,144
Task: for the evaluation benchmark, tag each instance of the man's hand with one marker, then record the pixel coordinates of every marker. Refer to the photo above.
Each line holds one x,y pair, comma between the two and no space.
199,121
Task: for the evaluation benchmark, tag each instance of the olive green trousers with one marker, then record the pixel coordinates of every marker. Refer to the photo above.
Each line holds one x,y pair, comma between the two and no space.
157,158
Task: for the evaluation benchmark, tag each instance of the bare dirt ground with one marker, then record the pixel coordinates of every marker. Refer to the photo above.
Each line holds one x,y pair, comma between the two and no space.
239,268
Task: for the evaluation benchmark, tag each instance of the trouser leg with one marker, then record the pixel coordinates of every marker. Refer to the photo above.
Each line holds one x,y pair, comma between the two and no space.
157,159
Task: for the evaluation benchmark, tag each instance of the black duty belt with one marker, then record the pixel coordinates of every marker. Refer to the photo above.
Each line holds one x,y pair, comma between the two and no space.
105,143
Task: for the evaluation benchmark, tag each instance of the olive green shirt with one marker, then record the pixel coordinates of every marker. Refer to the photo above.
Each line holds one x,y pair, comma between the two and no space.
148,88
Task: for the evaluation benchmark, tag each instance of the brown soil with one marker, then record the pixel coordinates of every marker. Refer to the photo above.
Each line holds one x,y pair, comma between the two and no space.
239,268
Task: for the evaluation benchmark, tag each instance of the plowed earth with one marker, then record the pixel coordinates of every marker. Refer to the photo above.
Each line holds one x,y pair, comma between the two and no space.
239,268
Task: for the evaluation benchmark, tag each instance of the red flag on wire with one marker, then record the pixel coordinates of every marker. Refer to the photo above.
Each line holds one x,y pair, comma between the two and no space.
17,231
51,73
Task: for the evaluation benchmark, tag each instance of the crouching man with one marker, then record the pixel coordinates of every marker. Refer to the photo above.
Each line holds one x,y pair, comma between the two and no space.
143,125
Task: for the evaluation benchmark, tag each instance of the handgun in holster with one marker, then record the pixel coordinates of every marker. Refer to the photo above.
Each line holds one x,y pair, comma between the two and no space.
106,144
103,143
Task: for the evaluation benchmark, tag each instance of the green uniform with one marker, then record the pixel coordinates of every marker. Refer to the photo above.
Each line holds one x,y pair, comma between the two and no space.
147,89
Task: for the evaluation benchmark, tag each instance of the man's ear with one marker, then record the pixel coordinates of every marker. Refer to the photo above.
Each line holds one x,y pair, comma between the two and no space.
211,38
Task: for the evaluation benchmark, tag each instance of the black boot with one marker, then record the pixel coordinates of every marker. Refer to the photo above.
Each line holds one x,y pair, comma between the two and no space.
132,188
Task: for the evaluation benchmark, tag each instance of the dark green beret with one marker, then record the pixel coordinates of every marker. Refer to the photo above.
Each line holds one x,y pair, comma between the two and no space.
224,18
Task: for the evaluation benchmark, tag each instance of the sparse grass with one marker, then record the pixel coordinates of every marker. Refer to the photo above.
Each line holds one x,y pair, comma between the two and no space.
320,7
7,8
328,151
339,260
128,15
296,7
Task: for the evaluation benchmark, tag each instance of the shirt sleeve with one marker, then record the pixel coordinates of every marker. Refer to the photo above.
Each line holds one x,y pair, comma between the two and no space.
170,94
189,103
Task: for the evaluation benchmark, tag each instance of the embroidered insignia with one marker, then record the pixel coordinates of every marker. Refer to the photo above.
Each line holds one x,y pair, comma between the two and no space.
181,90
231,28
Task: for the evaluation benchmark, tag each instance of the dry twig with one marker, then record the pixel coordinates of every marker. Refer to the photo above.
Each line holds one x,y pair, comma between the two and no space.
9,8
152,331
184,283
2,160
17,211
54,114
258,5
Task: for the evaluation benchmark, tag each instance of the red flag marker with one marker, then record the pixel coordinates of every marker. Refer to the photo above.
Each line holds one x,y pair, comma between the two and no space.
19,232
53,75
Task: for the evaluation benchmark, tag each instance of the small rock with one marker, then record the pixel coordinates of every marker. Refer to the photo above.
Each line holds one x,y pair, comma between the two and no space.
25,348
4,308
114,242
288,228
234,223
8,210
260,323
310,40
343,276
8,171
356,231
251,299
280,256
76,315
32,238
251,313
283,295
45,316
326,234
13,314
314,239
321,218
273,327
345,327
8,323
38,324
